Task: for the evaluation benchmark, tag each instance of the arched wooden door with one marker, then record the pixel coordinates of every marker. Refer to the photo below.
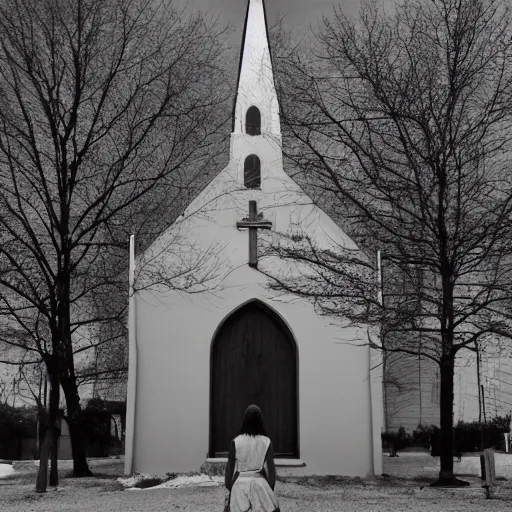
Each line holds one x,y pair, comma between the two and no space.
254,361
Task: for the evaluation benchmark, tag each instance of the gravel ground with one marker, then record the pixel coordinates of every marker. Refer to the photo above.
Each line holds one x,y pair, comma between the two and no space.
406,488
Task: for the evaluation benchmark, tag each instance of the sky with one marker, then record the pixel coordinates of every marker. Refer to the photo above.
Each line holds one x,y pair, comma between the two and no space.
299,13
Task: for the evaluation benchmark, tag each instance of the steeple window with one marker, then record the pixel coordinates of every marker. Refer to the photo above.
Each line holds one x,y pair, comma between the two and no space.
253,121
252,172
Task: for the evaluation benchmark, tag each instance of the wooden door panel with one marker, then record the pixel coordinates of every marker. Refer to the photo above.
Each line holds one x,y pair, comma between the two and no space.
254,361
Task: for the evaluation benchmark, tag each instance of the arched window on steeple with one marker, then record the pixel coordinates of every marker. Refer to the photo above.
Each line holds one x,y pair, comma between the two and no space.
253,121
252,172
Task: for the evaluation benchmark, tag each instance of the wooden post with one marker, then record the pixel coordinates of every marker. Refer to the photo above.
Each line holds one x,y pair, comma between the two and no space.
488,466
490,463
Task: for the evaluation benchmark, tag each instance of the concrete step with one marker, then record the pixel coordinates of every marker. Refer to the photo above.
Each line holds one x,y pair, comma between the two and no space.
284,467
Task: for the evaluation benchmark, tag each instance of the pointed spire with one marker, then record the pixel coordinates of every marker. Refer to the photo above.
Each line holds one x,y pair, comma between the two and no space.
255,75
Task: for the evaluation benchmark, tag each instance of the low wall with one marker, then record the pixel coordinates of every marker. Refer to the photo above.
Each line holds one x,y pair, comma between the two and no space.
470,465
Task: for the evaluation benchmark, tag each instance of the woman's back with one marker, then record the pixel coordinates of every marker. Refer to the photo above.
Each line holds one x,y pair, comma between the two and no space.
250,472
251,452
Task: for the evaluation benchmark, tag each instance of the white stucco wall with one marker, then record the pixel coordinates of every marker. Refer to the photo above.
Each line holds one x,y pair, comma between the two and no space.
172,420
377,404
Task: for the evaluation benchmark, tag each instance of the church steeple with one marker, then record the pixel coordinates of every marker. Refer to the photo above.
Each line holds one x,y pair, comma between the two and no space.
255,87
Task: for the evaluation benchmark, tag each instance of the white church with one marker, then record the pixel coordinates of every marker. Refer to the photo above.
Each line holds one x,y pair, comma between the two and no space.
198,360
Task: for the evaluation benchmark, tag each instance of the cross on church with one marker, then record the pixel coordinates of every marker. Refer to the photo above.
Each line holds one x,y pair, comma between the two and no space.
253,223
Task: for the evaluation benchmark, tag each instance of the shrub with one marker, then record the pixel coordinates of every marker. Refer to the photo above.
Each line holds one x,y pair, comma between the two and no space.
401,439
396,440
96,430
467,436
471,436
422,435
96,420
17,422
502,423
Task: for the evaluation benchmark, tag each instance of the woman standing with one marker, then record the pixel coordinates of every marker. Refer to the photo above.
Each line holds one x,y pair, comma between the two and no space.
250,471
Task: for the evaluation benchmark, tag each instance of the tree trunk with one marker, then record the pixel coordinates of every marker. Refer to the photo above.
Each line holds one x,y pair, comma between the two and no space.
446,476
48,438
66,365
44,452
54,431
80,466
479,396
54,457
446,419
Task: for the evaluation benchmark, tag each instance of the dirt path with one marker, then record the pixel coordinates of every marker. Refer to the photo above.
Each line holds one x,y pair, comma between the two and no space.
394,494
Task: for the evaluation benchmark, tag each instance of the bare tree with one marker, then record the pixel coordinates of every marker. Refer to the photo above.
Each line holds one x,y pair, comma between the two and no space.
401,124
101,103
29,387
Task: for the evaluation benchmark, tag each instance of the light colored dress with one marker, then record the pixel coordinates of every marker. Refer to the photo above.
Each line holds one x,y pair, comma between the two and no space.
251,491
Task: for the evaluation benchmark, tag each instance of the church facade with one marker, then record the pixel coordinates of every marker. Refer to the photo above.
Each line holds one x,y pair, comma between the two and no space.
198,360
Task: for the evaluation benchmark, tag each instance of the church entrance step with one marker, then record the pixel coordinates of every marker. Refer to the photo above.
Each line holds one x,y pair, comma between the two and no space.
287,463
216,466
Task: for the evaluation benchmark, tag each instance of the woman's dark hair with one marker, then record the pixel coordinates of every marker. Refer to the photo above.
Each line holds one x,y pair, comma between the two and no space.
253,422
